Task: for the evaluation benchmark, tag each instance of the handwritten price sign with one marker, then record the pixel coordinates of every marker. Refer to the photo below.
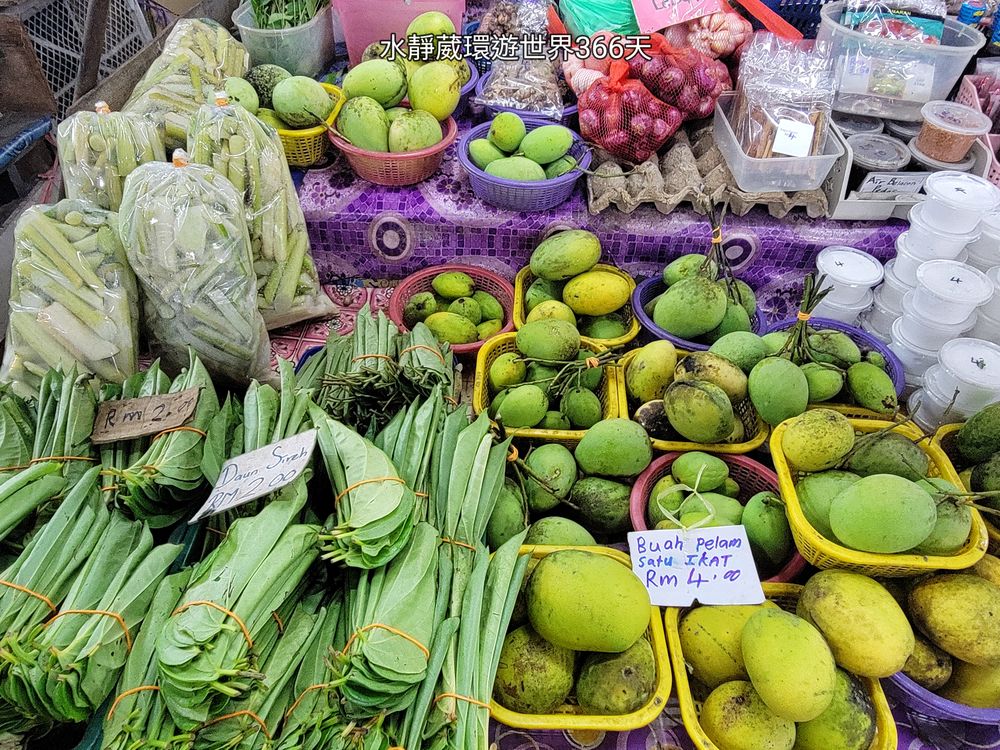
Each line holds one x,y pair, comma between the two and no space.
259,473
130,418
712,566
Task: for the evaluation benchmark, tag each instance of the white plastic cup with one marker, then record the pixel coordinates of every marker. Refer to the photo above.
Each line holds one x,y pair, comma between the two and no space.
922,327
929,408
893,288
847,314
885,336
987,247
987,328
992,308
932,242
972,367
950,290
916,360
850,274
956,201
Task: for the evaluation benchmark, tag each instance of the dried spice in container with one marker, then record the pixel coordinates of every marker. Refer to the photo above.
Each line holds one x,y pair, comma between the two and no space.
949,130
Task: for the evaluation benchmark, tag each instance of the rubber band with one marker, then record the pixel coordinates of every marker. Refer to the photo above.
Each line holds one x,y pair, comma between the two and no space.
236,714
373,356
592,362
451,400
110,488
281,625
389,628
512,454
803,316
220,608
127,693
113,615
366,481
182,428
716,235
302,695
424,346
23,590
421,494
465,698
457,543
34,461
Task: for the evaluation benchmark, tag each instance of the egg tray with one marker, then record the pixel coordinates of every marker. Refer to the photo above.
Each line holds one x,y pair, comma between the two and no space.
692,170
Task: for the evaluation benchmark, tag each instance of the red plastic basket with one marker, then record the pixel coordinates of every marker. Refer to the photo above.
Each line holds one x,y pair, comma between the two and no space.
752,478
397,170
486,281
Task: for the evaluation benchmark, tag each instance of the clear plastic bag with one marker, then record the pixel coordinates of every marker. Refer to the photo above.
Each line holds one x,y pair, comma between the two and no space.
73,297
247,152
900,20
585,17
98,150
515,18
184,230
716,35
197,57
530,86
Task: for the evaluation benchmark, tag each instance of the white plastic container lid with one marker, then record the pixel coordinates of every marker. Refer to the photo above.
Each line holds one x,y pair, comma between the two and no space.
879,153
940,166
972,361
956,118
952,281
849,266
847,307
893,281
916,218
902,129
963,191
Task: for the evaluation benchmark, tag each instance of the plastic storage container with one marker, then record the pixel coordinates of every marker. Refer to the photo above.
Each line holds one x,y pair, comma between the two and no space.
782,173
984,252
923,328
376,20
949,130
893,288
880,317
992,308
972,367
926,164
951,290
844,313
875,153
916,360
883,335
933,241
303,50
930,407
909,258
956,201
857,124
987,329
894,78
850,273
905,131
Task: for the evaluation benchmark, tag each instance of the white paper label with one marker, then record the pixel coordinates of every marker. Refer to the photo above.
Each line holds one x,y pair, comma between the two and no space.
793,138
681,566
259,473
893,183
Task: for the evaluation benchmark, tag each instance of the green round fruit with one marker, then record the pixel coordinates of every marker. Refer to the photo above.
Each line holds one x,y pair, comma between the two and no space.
508,369
524,406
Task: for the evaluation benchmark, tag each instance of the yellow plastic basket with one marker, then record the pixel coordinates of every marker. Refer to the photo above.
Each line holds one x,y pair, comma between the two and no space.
785,595
755,429
944,439
502,343
824,553
642,717
305,147
524,278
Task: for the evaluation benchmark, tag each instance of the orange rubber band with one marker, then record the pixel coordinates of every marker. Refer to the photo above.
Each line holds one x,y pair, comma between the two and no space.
182,428
512,454
803,316
451,401
717,235
457,543
281,625
127,693
592,362
223,610
465,698
366,481
421,494
394,631
113,615
23,590
236,714
424,346
373,356
110,488
318,686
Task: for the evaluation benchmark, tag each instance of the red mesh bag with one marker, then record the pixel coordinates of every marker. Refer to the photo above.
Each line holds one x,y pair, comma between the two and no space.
621,116
681,77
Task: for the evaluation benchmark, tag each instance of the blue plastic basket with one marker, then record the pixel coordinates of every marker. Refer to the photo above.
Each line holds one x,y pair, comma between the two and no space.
467,89
568,114
802,14
482,64
522,196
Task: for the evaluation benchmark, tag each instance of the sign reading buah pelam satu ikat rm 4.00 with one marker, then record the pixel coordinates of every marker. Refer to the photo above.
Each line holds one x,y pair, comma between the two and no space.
711,565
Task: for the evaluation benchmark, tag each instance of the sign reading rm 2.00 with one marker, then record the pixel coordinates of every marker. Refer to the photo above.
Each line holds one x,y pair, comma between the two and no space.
130,418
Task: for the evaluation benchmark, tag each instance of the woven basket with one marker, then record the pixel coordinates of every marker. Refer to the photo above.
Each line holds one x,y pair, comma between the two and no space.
467,90
925,702
305,147
486,281
752,478
944,439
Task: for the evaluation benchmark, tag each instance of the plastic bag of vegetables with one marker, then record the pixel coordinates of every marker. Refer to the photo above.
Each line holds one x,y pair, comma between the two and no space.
187,239
98,150
249,153
73,297
197,57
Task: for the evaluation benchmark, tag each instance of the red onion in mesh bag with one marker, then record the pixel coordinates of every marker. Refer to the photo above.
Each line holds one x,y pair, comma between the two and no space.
682,77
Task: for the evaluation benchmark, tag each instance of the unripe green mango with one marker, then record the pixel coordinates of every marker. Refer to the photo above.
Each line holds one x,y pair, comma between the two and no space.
516,168
548,339
778,390
883,513
526,652
523,406
700,411
565,255
817,439
872,388
455,329
617,684
546,144
614,448
847,724
506,131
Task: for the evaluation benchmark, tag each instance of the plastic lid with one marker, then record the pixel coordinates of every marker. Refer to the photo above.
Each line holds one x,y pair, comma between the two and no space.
849,266
991,221
939,166
926,317
902,129
853,124
963,191
956,118
972,361
879,152
853,307
916,217
951,280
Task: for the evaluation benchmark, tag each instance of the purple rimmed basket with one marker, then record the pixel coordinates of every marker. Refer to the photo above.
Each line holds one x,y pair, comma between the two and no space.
568,114
925,702
648,290
865,341
514,194
466,93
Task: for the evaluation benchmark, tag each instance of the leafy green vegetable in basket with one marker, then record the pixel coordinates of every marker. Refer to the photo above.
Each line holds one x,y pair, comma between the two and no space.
240,147
73,296
284,14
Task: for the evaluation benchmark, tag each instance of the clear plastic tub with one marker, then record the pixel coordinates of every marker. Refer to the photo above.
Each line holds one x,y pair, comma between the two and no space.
909,258
992,308
883,335
922,327
893,288
782,173
894,78
905,131
956,201
850,273
929,408
927,164
932,242
304,50
880,316
848,313
875,153
987,247
949,130
376,20
916,360
972,367
857,124
950,289
987,328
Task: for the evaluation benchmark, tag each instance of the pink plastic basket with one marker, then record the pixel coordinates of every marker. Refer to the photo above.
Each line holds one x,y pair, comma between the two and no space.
376,20
752,478
967,95
486,281
397,170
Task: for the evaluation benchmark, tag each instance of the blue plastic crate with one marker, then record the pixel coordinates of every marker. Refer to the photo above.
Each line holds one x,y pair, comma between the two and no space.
802,14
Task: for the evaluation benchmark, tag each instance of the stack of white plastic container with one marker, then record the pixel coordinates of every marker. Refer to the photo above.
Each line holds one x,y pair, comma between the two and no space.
964,379
850,276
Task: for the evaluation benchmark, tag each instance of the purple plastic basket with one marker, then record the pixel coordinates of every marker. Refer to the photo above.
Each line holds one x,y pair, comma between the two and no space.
925,702
522,196
648,290
865,341
492,110
466,93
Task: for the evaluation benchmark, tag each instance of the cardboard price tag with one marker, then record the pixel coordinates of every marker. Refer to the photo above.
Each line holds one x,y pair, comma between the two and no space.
130,418
654,15
711,565
259,473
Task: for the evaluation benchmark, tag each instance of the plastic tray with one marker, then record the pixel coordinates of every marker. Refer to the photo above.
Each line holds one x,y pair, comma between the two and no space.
755,430
786,596
944,439
305,147
525,277
486,281
642,717
823,553
608,392
752,477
